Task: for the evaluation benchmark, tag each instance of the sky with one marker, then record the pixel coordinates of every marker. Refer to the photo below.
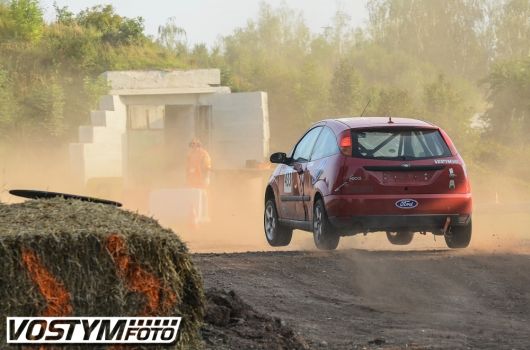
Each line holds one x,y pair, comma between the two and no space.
206,20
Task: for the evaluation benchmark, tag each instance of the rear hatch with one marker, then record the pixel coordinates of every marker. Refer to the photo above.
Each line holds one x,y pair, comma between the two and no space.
400,160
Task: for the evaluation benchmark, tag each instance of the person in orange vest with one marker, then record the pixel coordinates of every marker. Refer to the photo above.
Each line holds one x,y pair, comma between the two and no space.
199,166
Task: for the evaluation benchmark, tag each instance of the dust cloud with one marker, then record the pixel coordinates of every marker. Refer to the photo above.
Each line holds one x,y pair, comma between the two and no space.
42,167
501,206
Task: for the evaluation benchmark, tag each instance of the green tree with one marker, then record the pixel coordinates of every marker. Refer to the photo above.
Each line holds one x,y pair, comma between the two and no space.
23,21
5,21
7,101
512,29
268,55
311,92
442,101
345,91
395,102
114,28
48,86
200,56
172,37
452,106
45,110
64,15
94,88
508,116
450,34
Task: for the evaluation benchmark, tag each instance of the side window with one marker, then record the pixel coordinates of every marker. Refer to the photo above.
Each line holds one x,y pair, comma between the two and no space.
326,145
303,149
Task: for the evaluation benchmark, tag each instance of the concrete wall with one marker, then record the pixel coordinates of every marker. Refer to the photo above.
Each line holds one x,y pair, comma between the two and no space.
138,80
170,99
240,129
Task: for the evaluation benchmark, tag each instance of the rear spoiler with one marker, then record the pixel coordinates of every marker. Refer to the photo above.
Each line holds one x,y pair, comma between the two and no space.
404,167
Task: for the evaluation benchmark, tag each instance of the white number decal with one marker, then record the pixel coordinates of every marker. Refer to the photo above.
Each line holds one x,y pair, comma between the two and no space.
288,183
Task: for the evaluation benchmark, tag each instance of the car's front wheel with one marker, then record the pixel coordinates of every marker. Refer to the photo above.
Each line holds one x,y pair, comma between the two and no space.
277,235
400,237
324,234
459,236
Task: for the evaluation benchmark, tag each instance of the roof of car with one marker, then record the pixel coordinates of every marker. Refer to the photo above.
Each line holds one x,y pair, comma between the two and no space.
368,122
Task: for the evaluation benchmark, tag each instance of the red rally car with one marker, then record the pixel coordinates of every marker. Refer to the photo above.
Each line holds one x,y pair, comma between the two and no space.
358,175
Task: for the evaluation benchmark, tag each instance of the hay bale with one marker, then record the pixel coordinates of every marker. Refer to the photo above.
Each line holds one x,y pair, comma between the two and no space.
70,258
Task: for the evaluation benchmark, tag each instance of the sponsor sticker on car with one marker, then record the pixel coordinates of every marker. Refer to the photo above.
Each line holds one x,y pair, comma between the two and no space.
446,161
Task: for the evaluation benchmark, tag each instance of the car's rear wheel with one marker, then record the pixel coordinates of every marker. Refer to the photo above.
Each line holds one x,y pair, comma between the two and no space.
276,234
459,236
400,237
324,234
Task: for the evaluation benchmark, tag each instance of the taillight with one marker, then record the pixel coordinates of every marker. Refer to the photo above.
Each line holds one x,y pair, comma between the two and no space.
345,143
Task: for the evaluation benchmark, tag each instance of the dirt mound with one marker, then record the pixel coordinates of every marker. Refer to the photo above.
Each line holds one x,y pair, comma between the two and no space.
230,323
70,258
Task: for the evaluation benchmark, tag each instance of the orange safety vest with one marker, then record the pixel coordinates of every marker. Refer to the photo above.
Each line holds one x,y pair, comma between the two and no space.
199,163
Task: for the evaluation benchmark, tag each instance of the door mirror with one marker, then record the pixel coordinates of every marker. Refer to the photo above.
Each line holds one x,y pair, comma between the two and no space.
279,158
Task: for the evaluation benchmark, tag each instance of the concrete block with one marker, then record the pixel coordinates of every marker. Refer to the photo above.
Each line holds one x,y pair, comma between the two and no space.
111,103
110,119
240,129
138,80
96,160
99,134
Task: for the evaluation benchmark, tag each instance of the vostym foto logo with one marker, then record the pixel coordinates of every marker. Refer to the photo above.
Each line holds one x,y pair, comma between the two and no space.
406,203
92,330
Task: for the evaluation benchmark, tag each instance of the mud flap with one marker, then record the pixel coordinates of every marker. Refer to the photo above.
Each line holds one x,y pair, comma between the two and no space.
445,229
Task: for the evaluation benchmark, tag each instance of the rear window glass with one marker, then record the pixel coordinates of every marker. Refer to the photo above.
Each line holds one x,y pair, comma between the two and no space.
399,144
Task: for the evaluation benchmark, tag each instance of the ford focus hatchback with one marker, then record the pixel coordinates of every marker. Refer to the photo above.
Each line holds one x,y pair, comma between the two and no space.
359,175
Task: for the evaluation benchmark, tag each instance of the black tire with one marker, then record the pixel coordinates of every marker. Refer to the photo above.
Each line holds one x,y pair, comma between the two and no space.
459,236
400,237
324,234
276,234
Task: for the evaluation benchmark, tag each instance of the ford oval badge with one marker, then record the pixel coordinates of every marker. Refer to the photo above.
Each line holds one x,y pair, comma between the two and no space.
406,203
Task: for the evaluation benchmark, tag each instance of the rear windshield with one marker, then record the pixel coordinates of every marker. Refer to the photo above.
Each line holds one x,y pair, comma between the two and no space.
399,144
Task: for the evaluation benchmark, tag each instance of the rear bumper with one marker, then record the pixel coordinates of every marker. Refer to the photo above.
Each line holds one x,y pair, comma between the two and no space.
368,213
414,223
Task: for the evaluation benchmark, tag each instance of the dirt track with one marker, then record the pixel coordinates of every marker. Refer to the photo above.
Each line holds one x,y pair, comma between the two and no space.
355,299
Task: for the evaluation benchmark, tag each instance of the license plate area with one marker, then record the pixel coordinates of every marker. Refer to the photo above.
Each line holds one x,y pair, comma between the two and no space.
401,177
